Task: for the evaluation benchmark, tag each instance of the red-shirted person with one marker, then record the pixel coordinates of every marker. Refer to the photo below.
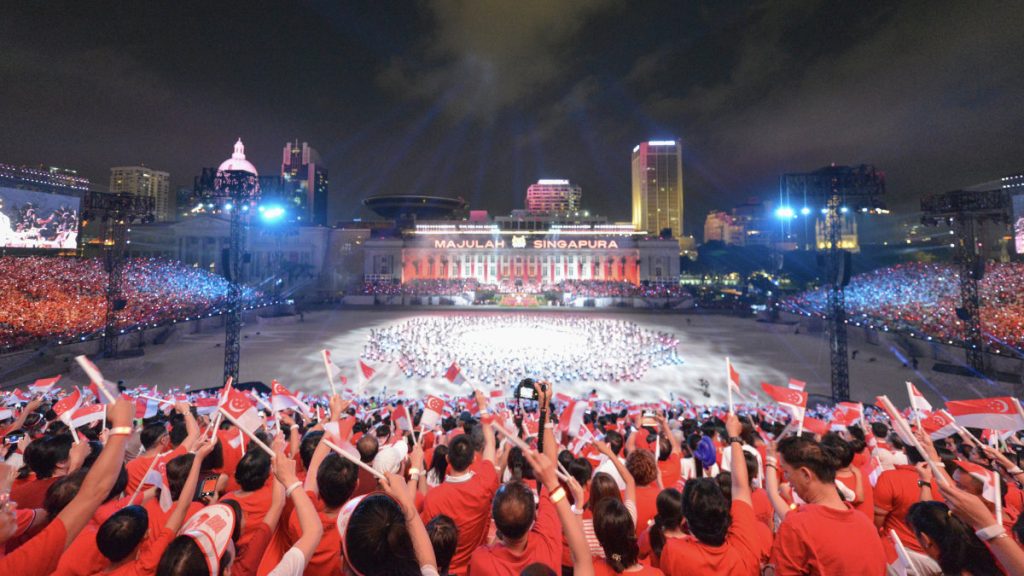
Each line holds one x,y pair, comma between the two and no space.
895,492
50,458
178,471
724,538
122,537
156,440
644,469
613,526
670,455
256,493
40,554
826,535
466,493
667,524
857,489
332,479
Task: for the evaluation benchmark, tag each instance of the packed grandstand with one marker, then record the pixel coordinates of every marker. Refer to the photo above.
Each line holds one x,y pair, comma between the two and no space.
173,483
47,298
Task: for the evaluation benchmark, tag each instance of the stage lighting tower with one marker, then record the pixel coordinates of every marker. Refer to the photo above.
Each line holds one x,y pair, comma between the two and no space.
117,211
237,185
837,190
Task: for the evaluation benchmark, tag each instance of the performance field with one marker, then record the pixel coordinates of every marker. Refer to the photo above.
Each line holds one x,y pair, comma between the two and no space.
634,356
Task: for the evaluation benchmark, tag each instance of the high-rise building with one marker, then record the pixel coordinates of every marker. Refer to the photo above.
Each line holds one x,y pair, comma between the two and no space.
143,181
553,197
658,187
43,179
306,177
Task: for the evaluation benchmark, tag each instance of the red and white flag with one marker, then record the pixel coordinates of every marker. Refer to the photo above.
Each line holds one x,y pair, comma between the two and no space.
847,414
206,406
282,399
454,374
18,397
146,407
989,478
734,377
366,371
794,401
43,385
572,417
333,371
917,400
795,384
999,413
86,415
432,409
67,405
238,406
874,470
400,416
104,390
939,425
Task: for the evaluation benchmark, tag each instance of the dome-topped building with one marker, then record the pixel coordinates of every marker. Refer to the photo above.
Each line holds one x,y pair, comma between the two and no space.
237,162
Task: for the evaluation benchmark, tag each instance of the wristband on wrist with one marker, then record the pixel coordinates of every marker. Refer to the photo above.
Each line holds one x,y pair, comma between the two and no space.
120,430
288,491
549,425
1015,470
990,532
414,471
576,511
558,495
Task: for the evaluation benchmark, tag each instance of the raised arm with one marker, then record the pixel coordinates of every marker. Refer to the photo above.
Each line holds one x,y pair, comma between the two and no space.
20,420
104,472
672,440
603,448
771,482
395,487
544,469
191,425
550,444
309,521
740,481
489,441
976,514
177,515
319,454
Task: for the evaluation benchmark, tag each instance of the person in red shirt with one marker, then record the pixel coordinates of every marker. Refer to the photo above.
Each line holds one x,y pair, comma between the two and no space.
50,458
332,479
826,535
177,471
724,538
667,524
466,493
256,494
644,469
614,528
122,537
156,440
894,492
949,541
849,475
40,554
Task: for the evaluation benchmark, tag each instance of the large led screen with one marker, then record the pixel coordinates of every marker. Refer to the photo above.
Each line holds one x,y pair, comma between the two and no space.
1018,223
38,220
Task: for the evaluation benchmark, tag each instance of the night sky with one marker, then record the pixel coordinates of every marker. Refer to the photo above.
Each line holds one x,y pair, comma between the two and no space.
479,98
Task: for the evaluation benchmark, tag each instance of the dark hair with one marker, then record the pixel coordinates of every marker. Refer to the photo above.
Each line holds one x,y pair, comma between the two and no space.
460,453
62,492
151,434
602,486
49,451
752,467
581,469
616,532
177,473
804,452
336,478
120,534
880,430
669,517
183,557
253,470
724,480
642,466
839,448
959,548
308,446
614,440
178,433
367,446
513,509
377,541
439,462
444,537
706,510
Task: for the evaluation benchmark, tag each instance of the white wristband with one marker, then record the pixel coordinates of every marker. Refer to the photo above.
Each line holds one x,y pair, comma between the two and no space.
990,532
288,491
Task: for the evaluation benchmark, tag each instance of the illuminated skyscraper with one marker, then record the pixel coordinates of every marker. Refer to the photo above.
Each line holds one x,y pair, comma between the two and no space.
553,197
306,179
143,181
658,187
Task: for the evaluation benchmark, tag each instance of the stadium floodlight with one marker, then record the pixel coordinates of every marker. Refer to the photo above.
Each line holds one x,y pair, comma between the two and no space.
805,211
784,212
271,213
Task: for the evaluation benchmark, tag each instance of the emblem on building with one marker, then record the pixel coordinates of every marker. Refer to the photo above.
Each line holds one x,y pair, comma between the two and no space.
519,241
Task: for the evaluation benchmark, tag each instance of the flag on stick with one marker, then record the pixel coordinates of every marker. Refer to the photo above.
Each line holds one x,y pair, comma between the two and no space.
107,390
454,374
1000,413
65,408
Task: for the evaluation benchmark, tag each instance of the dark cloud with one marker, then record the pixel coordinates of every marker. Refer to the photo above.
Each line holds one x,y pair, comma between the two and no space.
478,99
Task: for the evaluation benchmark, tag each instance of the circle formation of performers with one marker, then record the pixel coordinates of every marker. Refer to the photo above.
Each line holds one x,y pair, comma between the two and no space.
498,349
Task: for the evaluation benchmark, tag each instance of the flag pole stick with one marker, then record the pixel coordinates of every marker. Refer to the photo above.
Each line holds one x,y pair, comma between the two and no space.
352,459
247,433
728,383
155,399
327,368
143,481
104,429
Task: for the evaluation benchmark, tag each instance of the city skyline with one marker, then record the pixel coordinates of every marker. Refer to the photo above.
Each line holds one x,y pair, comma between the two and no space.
480,100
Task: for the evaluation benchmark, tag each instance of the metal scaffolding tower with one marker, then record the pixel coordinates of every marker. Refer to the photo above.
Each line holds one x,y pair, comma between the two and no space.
837,191
118,211
966,211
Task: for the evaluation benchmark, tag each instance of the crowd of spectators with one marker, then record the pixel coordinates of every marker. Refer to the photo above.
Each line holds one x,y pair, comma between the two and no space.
572,288
923,298
51,298
479,486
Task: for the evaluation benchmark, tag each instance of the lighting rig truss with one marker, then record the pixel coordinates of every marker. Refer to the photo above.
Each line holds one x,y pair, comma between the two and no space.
839,190
118,211
966,212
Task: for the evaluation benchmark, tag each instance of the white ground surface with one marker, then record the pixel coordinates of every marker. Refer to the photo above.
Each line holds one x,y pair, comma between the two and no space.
290,352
